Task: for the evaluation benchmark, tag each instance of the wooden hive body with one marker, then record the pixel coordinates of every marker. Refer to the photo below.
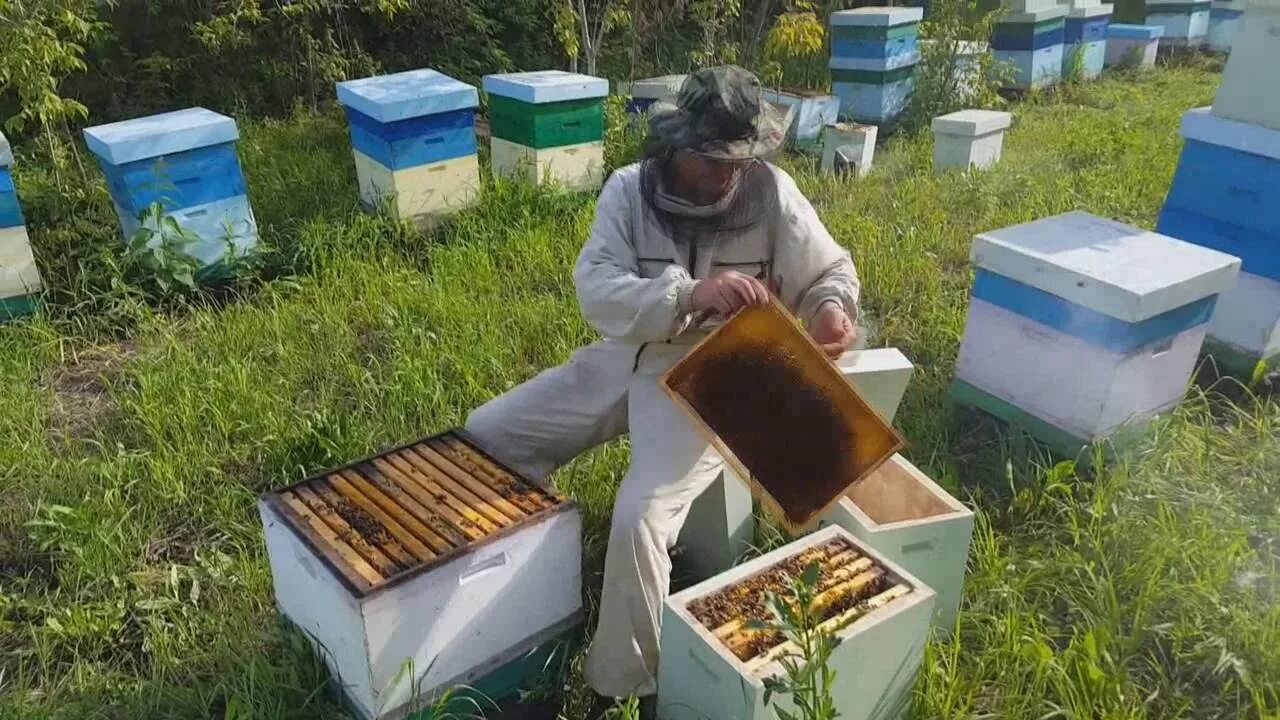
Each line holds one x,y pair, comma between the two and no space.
1086,34
548,125
1185,22
1033,43
874,51
1133,45
422,568
969,139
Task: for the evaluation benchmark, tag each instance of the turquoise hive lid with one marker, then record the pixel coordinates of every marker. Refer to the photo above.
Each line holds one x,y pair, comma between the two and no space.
6,152
156,135
1135,32
400,96
546,86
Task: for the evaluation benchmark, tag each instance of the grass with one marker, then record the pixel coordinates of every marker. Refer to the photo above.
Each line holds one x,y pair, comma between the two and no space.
135,436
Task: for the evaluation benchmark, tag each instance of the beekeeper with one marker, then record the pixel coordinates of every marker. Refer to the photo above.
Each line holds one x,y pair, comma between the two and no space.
701,227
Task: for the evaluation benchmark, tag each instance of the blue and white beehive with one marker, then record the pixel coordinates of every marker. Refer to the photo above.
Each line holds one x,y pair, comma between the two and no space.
1031,40
1133,45
874,53
1082,329
1086,37
1249,92
1185,22
185,161
19,278
1224,22
414,141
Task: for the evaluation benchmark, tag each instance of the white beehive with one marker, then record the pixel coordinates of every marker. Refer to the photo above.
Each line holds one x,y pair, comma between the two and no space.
903,513
1224,23
644,93
1081,327
969,139
1245,93
422,568
1133,45
1185,22
849,147
713,667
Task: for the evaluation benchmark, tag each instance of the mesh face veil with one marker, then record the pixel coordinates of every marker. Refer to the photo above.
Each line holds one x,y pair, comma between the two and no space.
751,200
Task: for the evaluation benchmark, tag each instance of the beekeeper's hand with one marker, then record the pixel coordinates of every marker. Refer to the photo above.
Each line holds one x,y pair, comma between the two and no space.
833,330
728,292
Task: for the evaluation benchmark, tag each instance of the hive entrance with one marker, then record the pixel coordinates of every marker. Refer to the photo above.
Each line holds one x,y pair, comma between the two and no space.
398,513
849,586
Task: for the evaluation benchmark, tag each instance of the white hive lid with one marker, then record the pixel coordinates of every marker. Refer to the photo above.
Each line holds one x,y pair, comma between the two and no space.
388,98
6,152
546,86
1202,125
658,88
878,16
163,134
972,122
1091,11
1053,12
1107,266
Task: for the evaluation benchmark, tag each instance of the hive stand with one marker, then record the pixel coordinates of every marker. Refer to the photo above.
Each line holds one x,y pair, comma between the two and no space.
849,147
1031,40
1082,329
1224,23
874,53
548,125
721,524
1086,36
1245,94
20,283
413,138
1133,45
1185,22
644,93
185,161
969,139
1221,199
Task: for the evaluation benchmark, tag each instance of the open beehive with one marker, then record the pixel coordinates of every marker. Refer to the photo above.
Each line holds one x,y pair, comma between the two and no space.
780,413
431,556
715,659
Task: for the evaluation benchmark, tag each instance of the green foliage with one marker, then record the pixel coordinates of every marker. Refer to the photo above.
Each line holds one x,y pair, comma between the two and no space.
807,674
957,69
795,49
42,43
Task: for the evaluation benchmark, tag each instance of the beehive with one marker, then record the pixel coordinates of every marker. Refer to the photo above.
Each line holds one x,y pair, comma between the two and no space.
431,558
1032,42
185,161
1245,94
969,139
849,147
1133,45
413,137
713,666
901,512
644,93
548,125
1086,37
1224,23
1221,199
1082,329
20,282
1185,22
874,53
810,112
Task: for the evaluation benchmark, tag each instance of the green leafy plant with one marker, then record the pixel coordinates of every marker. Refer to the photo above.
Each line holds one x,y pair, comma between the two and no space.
794,50
158,253
807,675
957,69
1074,74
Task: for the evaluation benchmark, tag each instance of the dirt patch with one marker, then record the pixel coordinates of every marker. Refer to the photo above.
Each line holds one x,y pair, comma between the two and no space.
81,389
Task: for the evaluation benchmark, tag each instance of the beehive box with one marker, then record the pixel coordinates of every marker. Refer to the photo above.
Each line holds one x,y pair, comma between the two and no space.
969,139
548,125
1032,42
1224,23
901,512
185,161
1086,37
712,666
1245,93
422,568
20,282
1219,199
849,147
1185,22
1133,45
1082,329
810,113
413,138
644,93
874,51
780,413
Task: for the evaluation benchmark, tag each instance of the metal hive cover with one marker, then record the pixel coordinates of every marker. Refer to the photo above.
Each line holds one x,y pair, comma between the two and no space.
378,521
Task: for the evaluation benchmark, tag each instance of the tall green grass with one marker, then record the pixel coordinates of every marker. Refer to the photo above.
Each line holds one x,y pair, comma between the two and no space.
135,437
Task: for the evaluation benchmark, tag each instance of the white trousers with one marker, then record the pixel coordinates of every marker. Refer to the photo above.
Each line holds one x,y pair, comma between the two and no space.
600,394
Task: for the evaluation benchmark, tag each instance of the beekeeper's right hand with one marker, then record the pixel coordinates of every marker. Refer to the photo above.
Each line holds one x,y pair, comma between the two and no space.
727,292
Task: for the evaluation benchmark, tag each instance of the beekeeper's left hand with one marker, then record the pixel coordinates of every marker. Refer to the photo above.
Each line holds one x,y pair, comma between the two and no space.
833,330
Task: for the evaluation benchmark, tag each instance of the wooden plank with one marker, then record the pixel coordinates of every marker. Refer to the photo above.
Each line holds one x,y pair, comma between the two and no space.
531,499
375,557
346,561
431,497
417,501
489,495
444,492
398,543
428,541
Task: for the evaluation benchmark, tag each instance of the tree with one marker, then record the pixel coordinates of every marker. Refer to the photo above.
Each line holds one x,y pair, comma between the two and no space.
595,18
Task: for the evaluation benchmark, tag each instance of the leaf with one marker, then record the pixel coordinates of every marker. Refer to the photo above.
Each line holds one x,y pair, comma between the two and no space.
811,573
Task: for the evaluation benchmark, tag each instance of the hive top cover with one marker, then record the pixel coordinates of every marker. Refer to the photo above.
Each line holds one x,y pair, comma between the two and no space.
546,86
878,16
1135,32
164,134
388,98
972,122
6,152
1116,269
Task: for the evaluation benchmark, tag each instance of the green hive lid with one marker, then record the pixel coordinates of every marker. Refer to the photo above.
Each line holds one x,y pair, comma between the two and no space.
877,16
6,152
155,135
546,86
400,96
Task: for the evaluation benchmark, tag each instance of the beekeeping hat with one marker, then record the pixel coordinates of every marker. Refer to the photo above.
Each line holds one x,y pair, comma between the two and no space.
720,113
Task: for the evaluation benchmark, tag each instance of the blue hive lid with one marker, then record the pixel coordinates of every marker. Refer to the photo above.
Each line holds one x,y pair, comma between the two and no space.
388,98
1135,32
877,16
546,86
6,152
1116,269
156,135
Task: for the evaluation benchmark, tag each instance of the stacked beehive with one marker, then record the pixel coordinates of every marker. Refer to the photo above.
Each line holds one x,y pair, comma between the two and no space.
1133,45
1224,22
413,137
644,93
1185,22
425,568
874,54
548,125
1030,38
1222,193
186,162
1082,329
1086,37
19,277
